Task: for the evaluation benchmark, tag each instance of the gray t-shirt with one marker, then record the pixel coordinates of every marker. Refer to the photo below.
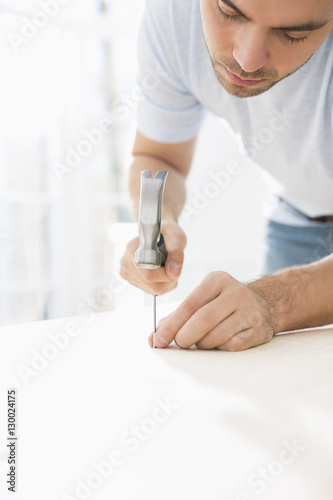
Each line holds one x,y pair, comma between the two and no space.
287,130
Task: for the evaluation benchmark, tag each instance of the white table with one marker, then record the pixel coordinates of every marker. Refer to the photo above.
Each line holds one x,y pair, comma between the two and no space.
177,424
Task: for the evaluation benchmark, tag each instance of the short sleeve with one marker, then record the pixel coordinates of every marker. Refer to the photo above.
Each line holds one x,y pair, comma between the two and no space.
167,112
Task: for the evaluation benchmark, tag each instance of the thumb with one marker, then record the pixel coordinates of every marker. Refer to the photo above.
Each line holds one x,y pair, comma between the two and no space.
175,242
175,258
174,264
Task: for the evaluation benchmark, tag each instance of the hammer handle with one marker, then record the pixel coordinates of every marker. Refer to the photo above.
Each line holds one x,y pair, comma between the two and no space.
162,249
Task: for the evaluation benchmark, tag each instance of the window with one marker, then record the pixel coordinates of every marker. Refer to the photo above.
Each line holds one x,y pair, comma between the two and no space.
63,153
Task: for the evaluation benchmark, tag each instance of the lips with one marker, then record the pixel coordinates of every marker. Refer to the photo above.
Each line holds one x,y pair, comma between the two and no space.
240,81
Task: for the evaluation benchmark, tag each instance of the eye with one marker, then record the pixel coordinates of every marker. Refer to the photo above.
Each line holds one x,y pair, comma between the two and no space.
232,15
296,37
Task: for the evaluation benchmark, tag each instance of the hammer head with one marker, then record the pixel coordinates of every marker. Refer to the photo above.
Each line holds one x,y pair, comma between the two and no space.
151,253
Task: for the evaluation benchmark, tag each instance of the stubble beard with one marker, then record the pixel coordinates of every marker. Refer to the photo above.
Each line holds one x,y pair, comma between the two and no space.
270,78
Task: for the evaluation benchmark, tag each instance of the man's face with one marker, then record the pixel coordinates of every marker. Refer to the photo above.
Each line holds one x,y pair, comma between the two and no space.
254,44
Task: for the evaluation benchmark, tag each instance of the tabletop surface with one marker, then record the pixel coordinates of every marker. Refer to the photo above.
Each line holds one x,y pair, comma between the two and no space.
101,415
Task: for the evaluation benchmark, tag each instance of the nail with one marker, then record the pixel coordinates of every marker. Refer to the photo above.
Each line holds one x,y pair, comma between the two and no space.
175,268
160,341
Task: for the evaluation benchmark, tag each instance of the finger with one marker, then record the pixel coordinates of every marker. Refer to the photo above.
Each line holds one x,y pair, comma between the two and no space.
129,269
150,338
136,277
175,244
222,332
207,291
241,341
174,235
174,264
206,319
154,288
158,275
163,274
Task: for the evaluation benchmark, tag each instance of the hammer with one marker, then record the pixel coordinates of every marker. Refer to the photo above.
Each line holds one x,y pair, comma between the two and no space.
151,253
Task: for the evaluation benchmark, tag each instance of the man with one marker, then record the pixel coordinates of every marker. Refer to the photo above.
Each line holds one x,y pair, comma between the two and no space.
266,67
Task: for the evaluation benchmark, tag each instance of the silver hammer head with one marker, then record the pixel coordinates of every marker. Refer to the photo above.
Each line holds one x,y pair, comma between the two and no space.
151,253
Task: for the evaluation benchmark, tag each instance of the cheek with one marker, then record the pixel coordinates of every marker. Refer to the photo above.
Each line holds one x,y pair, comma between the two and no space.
286,57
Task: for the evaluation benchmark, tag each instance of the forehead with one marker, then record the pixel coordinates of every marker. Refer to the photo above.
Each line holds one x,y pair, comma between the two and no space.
282,12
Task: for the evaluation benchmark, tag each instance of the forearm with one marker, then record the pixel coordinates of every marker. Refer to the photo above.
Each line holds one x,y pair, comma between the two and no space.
174,192
299,297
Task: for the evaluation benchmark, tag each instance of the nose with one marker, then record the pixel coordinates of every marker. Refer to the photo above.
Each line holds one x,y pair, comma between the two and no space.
250,50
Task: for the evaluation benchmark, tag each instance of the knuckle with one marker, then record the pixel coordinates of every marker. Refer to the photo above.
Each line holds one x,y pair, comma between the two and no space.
162,288
183,239
174,236
176,255
218,277
180,343
133,245
223,335
173,284
202,345
162,322
148,275
235,344
203,317
256,318
188,309
242,294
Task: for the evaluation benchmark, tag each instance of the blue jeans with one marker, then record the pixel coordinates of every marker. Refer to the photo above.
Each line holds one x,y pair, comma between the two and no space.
285,246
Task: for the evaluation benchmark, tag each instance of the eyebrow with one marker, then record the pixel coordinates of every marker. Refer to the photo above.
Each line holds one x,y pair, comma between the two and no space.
309,26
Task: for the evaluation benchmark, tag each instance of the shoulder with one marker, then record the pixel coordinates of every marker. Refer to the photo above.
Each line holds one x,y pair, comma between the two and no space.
171,29
173,7
172,15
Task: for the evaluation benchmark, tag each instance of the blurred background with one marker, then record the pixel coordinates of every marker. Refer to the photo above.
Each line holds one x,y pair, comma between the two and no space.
68,97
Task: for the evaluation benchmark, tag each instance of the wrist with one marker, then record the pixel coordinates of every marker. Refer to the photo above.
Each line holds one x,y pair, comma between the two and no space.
266,290
286,294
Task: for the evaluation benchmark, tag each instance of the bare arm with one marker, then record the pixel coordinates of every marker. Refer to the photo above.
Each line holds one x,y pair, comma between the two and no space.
154,156
176,159
299,297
